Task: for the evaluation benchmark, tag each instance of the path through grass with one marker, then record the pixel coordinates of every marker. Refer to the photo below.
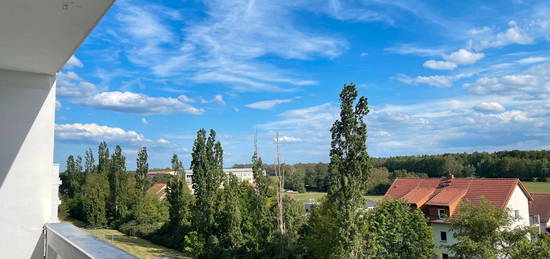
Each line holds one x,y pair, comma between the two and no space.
135,245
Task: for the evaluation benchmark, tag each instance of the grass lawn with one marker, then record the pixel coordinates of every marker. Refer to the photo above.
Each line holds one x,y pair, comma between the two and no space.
307,196
316,196
538,187
135,245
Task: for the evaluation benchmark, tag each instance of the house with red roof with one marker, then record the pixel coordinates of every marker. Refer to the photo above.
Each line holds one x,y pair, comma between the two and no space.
438,198
539,211
158,190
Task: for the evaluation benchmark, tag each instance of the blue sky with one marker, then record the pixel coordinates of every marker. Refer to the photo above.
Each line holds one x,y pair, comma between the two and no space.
440,76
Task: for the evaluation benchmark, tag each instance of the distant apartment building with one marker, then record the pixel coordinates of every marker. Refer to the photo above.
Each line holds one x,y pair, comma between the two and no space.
539,212
242,174
438,198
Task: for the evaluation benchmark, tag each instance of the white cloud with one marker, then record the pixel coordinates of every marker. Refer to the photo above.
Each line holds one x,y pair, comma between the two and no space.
512,116
227,45
73,62
267,104
287,139
437,81
163,141
58,105
532,60
218,99
439,65
514,34
528,84
464,57
480,30
144,121
92,133
381,133
364,54
137,103
186,99
459,57
406,49
489,107
71,85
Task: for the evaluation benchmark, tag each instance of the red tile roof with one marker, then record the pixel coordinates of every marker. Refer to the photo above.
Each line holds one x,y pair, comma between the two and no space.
540,206
450,191
157,189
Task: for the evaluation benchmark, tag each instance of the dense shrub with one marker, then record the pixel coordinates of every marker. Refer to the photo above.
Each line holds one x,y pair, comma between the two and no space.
135,228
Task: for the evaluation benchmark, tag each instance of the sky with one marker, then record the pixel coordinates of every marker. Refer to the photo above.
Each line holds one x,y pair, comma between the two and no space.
440,76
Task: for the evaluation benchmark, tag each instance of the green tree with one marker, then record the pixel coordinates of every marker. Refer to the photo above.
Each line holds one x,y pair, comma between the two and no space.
535,248
295,218
348,171
318,236
118,186
260,215
94,195
484,231
89,164
178,196
142,168
103,158
394,231
72,176
142,185
207,166
230,217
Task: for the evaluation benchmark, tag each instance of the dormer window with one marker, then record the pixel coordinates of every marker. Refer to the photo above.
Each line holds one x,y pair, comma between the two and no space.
441,213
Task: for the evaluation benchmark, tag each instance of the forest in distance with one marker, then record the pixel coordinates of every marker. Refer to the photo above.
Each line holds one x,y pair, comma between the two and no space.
525,165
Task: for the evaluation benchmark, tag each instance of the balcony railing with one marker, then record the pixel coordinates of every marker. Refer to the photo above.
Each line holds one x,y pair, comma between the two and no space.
65,241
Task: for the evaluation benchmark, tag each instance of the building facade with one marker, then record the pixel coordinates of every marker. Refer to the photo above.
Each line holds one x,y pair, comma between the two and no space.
539,212
36,39
438,198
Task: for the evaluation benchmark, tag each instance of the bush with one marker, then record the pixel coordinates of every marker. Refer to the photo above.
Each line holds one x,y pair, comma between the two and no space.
134,228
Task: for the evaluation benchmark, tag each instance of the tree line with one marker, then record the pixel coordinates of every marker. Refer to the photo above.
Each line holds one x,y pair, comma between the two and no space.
525,165
225,218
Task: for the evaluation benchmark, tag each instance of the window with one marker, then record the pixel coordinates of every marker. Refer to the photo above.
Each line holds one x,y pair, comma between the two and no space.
441,213
444,256
516,213
443,236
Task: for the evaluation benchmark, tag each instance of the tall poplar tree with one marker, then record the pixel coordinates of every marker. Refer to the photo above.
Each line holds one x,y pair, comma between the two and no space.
178,196
103,158
79,172
142,168
118,186
231,218
89,162
71,173
207,166
262,218
348,171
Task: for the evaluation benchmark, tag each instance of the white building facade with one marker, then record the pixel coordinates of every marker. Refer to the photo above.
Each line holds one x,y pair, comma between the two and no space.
438,198
36,39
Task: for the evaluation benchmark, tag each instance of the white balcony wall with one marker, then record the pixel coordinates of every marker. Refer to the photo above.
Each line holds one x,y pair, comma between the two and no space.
27,175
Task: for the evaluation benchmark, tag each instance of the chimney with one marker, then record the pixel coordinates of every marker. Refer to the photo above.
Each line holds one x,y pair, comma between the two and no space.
450,176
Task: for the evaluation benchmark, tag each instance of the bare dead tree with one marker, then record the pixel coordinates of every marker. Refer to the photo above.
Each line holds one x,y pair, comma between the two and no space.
280,189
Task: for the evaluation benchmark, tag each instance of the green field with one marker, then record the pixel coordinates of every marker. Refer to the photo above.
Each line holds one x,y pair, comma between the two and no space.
135,245
537,187
316,196
307,196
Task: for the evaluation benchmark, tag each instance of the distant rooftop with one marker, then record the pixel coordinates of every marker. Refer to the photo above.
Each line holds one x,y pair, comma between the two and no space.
450,191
